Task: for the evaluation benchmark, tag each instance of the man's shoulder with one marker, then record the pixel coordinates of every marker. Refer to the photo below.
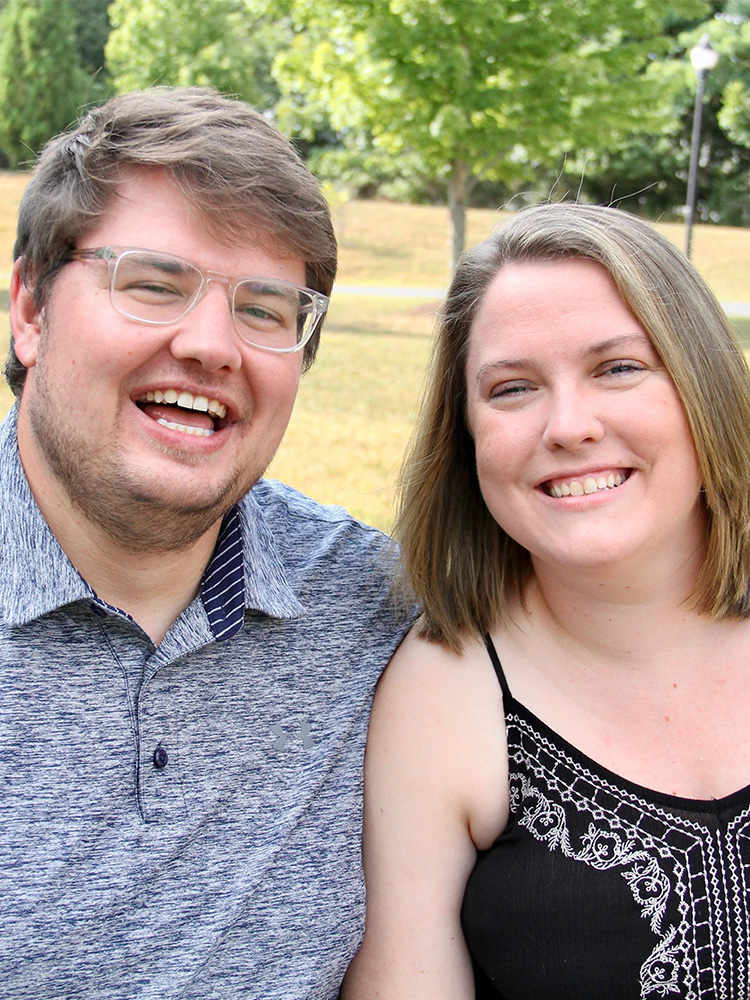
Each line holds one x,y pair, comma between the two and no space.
343,572
325,546
290,512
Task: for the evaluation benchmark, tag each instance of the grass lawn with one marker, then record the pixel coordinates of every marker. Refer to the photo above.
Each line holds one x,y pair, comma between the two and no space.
356,406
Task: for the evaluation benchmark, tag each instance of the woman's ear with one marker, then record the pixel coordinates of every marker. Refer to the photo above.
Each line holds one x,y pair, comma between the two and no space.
25,318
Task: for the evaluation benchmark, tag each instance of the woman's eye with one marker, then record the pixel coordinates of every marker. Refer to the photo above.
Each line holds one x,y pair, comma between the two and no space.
622,368
510,390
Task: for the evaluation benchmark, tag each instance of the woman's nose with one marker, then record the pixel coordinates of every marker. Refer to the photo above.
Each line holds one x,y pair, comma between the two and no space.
572,420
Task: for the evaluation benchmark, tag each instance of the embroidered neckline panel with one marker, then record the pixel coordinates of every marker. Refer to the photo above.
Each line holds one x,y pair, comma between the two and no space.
677,876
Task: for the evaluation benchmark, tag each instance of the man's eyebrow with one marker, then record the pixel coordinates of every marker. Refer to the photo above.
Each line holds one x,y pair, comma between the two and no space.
592,350
167,264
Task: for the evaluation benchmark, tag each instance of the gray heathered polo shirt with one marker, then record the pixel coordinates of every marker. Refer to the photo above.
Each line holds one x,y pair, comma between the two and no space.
232,868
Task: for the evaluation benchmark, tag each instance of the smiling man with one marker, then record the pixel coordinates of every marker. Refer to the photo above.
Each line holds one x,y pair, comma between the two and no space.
187,652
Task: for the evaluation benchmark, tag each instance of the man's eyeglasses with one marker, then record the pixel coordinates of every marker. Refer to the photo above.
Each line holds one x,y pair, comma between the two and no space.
159,288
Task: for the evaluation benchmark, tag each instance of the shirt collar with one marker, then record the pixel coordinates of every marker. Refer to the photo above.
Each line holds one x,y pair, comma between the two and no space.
245,571
36,576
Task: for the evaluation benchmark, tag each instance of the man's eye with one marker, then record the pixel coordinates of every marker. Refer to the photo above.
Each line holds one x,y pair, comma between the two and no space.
153,286
151,289
253,312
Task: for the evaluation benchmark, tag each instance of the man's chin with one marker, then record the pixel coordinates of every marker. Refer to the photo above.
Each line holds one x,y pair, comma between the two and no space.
159,517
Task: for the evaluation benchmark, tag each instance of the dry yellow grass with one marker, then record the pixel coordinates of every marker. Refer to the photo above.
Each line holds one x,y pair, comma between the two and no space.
356,407
11,189
355,412
383,243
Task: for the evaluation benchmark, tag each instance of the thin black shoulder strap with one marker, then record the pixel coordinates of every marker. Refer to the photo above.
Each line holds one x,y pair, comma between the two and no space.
495,659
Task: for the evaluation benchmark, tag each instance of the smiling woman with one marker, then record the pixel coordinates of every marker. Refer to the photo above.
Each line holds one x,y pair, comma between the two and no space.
559,756
565,390
659,296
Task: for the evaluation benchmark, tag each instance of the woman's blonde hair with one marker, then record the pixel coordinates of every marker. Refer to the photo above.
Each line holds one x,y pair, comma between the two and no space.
461,565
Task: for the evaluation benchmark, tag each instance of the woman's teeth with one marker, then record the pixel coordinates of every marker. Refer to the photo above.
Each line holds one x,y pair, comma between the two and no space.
588,484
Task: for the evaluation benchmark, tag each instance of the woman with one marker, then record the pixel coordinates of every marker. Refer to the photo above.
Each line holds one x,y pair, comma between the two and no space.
558,768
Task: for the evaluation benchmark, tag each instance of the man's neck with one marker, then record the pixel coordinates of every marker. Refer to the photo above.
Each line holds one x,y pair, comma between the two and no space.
151,580
153,588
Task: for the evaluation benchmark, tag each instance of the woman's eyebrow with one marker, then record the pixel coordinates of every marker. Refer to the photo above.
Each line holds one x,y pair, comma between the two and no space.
623,340
501,364
592,350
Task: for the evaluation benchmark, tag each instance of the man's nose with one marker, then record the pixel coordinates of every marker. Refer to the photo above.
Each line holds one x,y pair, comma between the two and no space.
206,334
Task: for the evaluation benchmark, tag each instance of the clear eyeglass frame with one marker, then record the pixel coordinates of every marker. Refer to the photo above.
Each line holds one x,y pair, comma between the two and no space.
266,323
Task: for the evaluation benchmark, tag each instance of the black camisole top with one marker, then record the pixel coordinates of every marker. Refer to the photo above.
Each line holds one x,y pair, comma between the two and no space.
601,888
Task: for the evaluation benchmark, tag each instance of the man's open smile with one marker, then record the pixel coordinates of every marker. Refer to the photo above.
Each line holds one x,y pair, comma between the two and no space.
182,411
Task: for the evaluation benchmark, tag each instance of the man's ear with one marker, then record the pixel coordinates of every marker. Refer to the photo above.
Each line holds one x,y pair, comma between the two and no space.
25,318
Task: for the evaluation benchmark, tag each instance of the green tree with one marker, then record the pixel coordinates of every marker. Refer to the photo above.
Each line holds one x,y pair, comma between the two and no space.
42,83
226,44
732,40
650,170
92,31
476,89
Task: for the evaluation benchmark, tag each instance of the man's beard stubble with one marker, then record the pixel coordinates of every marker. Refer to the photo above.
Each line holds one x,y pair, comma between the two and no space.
109,496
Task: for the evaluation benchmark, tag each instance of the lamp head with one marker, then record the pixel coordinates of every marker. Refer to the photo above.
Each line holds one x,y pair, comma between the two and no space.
703,56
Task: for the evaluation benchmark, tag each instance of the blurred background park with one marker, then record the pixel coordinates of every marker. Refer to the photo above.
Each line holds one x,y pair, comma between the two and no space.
427,121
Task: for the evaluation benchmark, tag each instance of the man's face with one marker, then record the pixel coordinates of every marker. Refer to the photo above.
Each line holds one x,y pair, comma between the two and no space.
93,427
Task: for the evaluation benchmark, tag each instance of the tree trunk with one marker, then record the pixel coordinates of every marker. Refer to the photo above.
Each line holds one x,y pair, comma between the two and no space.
457,188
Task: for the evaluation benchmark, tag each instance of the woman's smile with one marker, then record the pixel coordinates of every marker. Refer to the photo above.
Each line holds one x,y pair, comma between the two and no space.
569,404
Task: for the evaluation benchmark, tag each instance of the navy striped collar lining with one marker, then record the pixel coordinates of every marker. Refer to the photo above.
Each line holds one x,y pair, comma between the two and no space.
223,585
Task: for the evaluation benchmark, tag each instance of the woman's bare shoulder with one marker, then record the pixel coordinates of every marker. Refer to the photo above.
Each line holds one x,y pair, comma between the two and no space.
435,791
420,660
444,711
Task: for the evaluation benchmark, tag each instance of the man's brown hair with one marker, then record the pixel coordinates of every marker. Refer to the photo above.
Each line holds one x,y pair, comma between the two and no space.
240,173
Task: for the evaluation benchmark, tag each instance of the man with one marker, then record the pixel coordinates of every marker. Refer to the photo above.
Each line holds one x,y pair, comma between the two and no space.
187,652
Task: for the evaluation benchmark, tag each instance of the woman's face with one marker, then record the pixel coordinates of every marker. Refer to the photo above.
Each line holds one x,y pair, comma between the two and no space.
583,450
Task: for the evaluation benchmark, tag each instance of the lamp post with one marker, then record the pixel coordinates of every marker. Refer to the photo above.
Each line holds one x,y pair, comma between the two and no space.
703,57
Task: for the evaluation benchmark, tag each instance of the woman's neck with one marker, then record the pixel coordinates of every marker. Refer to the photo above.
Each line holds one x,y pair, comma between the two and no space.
619,612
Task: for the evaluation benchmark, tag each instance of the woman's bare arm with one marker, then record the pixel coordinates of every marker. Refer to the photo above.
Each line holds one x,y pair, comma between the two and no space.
431,726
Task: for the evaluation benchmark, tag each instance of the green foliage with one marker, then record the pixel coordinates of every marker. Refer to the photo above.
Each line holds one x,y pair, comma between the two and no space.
42,83
92,31
735,113
226,44
655,161
494,84
476,89
734,69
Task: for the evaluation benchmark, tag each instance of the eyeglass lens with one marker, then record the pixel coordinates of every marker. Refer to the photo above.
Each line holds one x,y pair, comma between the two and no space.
158,288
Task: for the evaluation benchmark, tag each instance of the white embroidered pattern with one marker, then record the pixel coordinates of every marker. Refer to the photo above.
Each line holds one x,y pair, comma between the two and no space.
688,873
602,849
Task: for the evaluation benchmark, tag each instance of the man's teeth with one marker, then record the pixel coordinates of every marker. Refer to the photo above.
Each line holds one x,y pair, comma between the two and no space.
590,484
185,428
187,401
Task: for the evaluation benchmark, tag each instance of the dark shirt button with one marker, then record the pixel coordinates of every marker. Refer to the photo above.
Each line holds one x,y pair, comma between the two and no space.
160,757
